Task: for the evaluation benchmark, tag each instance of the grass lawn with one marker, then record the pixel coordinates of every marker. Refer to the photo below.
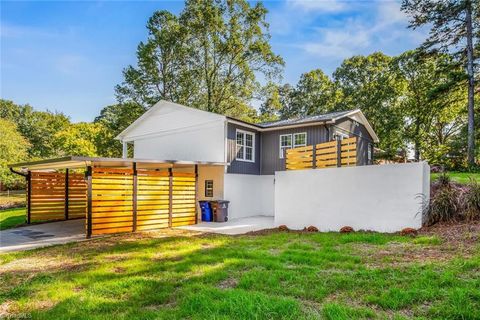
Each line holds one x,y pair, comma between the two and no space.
275,275
460,177
12,200
10,218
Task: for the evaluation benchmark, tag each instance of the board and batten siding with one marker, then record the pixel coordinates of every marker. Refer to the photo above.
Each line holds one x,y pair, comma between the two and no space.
270,152
355,129
239,166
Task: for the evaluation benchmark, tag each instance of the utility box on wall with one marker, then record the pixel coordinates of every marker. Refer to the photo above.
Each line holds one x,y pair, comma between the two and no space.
383,198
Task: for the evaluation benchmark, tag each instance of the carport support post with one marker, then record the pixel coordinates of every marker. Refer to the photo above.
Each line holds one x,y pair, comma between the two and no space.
66,194
134,198
196,193
29,195
89,202
170,196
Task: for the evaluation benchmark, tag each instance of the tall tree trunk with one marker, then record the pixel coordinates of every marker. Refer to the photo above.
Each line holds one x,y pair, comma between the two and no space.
471,88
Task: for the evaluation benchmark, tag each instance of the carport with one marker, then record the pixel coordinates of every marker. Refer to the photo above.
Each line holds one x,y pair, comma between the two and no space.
112,194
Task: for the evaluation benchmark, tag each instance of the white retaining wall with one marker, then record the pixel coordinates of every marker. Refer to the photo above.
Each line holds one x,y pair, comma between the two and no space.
383,198
249,195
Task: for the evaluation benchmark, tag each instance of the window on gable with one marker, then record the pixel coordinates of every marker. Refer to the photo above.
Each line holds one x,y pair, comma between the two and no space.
245,145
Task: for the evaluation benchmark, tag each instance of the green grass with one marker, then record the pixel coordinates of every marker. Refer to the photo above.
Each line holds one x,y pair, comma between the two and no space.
272,276
10,218
460,177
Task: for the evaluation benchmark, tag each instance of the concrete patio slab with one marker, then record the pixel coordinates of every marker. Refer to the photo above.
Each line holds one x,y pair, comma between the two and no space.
233,227
41,235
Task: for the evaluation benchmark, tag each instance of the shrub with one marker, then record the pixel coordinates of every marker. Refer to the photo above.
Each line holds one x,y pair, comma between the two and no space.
283,228
312,229
471,200
346,229
443,205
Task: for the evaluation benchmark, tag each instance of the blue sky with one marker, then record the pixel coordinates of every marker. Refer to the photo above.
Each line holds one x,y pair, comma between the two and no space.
68,56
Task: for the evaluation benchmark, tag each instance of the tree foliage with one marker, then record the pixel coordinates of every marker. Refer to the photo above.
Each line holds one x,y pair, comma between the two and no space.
455,29
13,148
207,57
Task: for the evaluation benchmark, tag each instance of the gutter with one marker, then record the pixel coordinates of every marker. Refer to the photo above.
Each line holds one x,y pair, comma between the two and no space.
18,172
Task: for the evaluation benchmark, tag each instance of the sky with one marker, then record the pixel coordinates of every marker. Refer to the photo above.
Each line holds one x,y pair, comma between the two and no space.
68,56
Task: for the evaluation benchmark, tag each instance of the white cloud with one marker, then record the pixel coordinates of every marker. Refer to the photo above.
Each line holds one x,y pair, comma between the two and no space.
383,30
317,5
341,42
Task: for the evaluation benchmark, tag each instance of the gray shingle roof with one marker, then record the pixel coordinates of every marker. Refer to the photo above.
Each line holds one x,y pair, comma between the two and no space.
320,117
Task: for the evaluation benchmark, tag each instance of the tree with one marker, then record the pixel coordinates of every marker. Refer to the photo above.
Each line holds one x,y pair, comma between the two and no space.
455,28
272,105
431,102
78,139
38,127
208,57
315,94
368,83
114,119
13,148
164,68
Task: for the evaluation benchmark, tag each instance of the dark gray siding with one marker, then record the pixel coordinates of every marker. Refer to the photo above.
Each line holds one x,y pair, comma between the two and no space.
270,152
237,166
352,128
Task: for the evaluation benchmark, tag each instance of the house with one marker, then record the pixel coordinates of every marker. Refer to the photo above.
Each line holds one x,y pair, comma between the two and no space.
252,152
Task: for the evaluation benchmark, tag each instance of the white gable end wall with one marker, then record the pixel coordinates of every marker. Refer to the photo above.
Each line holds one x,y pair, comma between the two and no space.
169,131
206,143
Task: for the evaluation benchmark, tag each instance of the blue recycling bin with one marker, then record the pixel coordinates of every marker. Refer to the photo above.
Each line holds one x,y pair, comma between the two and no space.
207,214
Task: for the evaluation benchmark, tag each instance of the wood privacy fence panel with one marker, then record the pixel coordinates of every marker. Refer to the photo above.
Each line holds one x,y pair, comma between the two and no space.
326,154
323,155
47,196
183,199
299,158
77,196
125,200
152,200
349,152
112,200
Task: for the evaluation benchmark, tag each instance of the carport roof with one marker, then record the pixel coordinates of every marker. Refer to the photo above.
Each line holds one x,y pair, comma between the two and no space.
72,162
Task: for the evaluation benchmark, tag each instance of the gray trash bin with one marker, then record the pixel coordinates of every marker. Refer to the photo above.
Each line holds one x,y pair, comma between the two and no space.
220,210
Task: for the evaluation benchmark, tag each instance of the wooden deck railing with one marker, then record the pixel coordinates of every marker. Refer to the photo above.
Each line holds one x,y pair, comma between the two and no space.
323,155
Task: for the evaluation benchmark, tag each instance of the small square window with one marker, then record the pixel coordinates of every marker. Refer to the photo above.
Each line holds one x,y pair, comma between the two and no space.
209,188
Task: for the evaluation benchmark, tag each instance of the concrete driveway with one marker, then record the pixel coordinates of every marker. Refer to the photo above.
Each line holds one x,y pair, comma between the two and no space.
41,235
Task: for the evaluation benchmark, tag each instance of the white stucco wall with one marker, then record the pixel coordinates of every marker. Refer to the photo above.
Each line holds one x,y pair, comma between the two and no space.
381,198
249,195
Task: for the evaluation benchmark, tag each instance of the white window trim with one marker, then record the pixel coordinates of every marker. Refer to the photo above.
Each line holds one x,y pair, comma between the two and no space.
299,145
292,144
244,152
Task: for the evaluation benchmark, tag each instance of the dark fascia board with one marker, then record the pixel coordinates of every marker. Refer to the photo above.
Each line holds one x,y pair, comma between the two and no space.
279,126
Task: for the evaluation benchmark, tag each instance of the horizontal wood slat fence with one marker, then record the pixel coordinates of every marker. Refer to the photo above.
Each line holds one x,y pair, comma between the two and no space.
125,200
119,200
323,155
48,197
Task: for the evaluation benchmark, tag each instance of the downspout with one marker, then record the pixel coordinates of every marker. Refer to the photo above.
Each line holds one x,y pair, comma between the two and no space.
18,172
